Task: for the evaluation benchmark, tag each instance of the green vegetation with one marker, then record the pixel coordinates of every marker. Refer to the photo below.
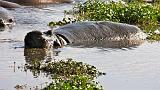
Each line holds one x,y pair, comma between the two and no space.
67,74
74,83
144,15
63,22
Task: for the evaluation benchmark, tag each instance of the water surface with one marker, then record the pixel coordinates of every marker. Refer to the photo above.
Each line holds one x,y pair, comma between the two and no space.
133,68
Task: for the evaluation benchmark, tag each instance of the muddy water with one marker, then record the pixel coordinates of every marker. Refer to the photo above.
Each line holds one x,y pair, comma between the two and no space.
133,68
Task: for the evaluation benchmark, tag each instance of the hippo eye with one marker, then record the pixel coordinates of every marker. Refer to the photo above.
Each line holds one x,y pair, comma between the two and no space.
10,20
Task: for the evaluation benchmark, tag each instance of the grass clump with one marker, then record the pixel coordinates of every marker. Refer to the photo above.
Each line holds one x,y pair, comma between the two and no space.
144,15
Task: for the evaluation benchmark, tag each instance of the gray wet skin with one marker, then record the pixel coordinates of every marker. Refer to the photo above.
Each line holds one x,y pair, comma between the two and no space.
6,19
82,33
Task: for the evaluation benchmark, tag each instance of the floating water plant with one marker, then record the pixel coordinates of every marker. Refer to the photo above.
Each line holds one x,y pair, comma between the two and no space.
74,83
63,22
64,68
67,74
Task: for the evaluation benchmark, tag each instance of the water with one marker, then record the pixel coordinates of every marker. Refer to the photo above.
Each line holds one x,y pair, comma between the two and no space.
126,69
134,68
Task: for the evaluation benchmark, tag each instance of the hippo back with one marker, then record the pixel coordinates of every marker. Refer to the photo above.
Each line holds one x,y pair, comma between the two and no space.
97,31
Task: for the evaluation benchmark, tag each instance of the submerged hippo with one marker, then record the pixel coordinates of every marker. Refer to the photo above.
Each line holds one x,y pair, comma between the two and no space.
7,4
87,34
35,2
6,19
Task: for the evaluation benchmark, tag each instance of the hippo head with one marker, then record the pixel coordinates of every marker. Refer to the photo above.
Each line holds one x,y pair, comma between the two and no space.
37,39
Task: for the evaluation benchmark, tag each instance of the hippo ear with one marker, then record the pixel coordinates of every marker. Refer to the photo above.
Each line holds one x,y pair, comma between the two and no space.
56,44
48,33
11,20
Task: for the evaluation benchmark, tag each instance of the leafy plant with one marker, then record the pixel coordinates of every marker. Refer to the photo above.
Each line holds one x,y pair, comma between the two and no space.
67,74
63,22
131,13
64,68
74,83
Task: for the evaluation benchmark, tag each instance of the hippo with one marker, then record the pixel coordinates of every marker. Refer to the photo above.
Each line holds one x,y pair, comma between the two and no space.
89,34
6,19
37,2
7,4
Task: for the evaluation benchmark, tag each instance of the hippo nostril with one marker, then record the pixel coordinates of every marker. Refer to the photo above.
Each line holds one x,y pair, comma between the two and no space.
10,20
48,33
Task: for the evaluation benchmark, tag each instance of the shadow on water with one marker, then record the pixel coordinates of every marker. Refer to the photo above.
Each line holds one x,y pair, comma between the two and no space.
40,55
104,44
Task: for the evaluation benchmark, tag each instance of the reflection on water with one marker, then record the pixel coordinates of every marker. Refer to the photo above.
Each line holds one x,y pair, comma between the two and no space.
39,55
109,44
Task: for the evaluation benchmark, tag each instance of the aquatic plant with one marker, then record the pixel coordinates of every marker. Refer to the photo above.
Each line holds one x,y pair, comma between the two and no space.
67,74
64,68
74,83
64,21
131,13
